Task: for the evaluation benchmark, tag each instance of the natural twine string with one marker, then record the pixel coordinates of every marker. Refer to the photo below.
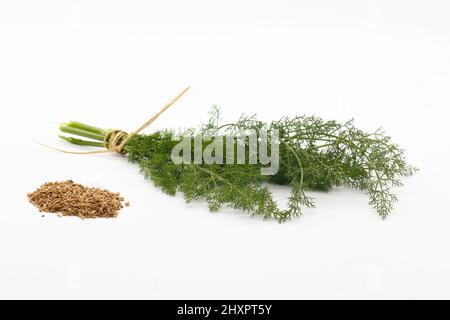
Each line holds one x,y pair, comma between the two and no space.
115,140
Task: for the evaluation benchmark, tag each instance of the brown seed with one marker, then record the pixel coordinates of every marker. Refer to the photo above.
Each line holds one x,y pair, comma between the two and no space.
68,198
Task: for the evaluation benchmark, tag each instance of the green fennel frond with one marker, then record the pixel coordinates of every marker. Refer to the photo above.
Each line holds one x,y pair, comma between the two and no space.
314,155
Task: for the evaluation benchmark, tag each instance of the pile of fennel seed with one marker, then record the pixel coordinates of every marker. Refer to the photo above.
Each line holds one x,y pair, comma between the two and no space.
68,198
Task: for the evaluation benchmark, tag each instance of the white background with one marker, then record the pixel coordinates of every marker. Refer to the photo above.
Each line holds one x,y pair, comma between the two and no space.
115,63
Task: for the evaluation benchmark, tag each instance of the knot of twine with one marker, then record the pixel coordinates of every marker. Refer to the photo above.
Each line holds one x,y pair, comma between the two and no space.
114,139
